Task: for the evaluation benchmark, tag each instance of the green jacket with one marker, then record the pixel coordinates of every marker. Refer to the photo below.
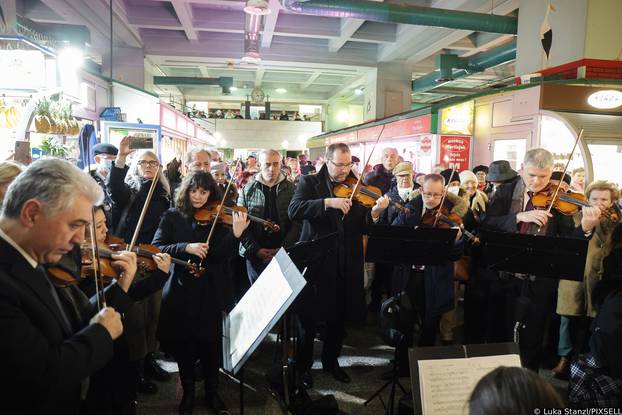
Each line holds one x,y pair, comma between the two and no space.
252,198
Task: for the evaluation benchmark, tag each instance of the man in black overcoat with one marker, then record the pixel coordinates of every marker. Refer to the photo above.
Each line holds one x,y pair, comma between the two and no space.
335,290
511,211
52,338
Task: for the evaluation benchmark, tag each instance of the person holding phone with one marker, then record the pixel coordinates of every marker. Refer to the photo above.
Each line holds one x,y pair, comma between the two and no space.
128,188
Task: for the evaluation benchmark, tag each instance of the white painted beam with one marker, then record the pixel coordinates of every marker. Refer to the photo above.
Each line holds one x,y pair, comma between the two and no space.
311,79
184,14
270,23
259,76
348,28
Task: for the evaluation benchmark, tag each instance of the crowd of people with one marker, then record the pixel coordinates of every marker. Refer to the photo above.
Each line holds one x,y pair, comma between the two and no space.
202,267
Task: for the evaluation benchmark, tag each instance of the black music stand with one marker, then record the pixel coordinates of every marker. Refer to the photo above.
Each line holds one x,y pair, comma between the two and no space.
409,246
305,255
542,256
450,352
533,255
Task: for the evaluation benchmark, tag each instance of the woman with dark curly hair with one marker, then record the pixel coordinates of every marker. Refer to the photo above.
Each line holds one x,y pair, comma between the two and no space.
190,326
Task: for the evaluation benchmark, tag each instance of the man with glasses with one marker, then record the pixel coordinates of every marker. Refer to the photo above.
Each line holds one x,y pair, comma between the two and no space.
430,287
267,196
334,291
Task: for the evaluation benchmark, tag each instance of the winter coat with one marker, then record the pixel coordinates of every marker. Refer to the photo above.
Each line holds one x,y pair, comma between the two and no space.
379,177
574,298
192,306
252,197
121,194
438,280
343,266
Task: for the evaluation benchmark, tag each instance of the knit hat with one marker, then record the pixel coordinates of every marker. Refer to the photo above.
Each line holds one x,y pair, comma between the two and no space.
467,175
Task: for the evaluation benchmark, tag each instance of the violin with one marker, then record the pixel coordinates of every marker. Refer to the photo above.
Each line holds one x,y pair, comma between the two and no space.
445,219
366,195
206,215
568,203
67,271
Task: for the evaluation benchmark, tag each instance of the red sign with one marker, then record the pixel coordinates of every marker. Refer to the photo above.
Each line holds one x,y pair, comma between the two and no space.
455,151
397,129
426,144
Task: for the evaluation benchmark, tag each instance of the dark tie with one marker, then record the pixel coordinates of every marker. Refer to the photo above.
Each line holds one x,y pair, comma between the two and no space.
524,226
54,294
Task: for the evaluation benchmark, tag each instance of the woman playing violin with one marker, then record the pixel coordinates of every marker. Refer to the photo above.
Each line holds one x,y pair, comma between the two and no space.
574,298
190,319
125,371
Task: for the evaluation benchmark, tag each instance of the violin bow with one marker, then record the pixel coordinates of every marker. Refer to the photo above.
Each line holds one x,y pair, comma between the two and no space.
438,211
98,278
143,212
358,181
559,185
220,206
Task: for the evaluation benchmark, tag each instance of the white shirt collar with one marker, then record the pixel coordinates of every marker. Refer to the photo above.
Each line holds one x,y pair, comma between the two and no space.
19,249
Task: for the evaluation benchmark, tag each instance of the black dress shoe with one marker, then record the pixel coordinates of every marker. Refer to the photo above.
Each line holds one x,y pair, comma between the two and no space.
338,373
214,403
306,379
144,385
153,369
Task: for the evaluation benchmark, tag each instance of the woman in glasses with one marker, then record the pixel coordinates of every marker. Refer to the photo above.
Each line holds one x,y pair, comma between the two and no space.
128,188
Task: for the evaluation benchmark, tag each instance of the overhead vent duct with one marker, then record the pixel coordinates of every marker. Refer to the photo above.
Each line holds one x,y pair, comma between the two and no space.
255,11
451,67
397,13
225,82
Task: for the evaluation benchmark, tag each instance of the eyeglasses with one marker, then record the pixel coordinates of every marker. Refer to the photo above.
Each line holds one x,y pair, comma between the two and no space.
432,195
341,166
150,163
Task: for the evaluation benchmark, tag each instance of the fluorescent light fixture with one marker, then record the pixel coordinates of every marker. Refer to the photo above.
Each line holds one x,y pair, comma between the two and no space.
358,91
606,99
233,89
281,90
70,57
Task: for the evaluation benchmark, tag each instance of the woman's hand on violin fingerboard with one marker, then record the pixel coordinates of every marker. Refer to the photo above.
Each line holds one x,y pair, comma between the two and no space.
125,263
381,204
341,203
590,217
240,223
163,261
198,248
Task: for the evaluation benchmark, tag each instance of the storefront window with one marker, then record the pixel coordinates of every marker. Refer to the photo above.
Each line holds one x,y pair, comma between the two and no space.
511,150
606,159
556,137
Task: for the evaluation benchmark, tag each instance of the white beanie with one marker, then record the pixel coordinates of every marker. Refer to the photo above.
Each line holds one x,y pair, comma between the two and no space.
467,175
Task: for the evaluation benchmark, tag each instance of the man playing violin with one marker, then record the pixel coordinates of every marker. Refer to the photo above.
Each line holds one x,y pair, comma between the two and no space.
511,210
335,289
52,338
267,195
430,287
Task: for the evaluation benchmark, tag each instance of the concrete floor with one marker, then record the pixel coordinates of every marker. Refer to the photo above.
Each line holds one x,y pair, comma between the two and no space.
365,358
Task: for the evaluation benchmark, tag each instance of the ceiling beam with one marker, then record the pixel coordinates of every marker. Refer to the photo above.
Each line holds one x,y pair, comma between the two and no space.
184,14
311,79
270,23
259,76
348,28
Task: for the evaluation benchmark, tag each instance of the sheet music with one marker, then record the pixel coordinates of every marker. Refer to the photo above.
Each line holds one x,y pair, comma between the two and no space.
446,384
255,310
